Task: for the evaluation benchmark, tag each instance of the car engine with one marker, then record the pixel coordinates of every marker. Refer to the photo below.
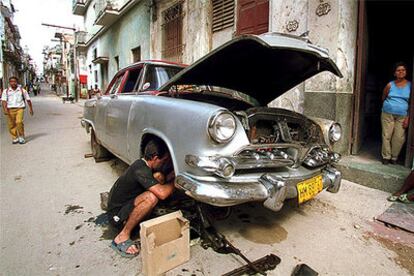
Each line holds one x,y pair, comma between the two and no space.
273,126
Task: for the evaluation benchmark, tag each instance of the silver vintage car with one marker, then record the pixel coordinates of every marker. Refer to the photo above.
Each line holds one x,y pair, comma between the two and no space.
227,146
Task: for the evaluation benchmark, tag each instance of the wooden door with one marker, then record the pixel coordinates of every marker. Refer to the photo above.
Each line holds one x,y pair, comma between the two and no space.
410,138
252,17
359,92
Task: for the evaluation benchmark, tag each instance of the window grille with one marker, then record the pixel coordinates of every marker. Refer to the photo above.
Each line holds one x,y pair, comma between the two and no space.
172,26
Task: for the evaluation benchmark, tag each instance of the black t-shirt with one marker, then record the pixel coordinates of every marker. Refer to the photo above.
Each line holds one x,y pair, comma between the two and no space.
134,181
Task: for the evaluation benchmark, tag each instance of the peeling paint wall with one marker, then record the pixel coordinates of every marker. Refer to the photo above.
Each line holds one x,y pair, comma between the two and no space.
221,37
332,24
196,34
289,17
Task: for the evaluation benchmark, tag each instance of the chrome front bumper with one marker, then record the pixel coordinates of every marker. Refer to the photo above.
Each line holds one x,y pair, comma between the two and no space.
269,188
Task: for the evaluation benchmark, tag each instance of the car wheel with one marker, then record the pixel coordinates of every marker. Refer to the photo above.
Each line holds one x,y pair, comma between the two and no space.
99,153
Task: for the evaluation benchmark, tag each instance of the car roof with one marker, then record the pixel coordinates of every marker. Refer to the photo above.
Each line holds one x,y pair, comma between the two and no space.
153,62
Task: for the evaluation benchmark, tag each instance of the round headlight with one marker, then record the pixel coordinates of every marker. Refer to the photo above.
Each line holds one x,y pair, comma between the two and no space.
222,127
335,132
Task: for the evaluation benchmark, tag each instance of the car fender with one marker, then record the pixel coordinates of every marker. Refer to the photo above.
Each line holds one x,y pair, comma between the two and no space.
182,124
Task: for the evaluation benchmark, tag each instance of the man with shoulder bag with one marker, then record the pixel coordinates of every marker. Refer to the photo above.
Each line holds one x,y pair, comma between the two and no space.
14,100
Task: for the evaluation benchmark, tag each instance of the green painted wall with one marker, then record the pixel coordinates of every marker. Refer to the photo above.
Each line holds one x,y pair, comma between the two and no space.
129,32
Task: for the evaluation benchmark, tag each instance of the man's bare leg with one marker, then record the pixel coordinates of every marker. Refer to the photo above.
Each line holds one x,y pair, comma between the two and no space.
144,203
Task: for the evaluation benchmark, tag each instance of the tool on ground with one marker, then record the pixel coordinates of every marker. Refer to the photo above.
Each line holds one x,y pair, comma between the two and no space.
266,263
211,238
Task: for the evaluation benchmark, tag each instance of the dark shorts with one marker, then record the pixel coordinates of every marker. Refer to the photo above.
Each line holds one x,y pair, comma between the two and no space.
118,216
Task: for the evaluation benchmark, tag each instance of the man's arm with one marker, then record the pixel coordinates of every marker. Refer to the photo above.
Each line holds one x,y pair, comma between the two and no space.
29,102
162,191
5,109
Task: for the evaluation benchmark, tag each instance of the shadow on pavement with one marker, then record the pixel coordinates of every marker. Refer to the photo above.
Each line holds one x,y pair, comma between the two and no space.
34,136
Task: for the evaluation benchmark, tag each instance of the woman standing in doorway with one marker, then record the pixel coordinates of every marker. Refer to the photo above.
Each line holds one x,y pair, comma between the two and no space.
394,116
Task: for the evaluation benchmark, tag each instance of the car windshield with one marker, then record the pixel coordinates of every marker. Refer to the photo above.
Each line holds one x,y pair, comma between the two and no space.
217,91
157,75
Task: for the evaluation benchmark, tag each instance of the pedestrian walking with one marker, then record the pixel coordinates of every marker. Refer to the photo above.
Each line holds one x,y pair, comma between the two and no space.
14,100
394,116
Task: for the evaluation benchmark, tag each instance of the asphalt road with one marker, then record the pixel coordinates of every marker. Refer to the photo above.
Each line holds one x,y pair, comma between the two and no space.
49,196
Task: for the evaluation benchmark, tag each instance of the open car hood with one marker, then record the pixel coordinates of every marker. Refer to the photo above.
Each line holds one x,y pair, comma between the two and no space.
263,67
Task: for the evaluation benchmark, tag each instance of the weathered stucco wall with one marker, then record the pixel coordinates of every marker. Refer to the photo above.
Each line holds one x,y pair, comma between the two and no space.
290,17
337,32
332,24
221,37
129,32
196,29
89,19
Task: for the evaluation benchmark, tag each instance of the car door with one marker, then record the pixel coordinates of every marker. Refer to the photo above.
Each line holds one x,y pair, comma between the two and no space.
101,120
110,115
118,111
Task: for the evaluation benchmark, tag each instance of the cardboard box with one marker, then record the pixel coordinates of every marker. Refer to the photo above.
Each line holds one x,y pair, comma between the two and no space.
165,243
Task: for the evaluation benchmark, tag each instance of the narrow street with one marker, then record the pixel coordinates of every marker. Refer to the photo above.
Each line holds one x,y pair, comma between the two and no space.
50,203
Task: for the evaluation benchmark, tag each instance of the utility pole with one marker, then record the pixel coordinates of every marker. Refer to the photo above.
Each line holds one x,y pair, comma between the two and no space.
58,26
75,59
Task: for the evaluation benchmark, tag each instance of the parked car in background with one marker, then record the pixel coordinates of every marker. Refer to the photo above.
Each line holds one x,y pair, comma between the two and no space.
227,146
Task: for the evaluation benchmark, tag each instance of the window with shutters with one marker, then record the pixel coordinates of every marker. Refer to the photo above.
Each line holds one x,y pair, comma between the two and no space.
252,17
172,45
223,14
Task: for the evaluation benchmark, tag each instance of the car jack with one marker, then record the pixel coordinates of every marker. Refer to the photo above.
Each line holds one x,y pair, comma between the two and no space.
219,243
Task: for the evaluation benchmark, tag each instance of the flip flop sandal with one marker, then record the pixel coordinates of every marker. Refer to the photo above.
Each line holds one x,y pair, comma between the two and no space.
392,198
122,247
404,199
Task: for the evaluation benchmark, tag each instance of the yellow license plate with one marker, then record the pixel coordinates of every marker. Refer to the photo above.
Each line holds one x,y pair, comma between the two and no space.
309,188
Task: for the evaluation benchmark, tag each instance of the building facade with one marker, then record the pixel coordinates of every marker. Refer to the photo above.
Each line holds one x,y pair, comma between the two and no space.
185,30
14,61
114,35
201,26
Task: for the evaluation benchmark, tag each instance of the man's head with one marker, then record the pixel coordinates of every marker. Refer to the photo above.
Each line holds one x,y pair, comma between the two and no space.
96,86
13,82
157,155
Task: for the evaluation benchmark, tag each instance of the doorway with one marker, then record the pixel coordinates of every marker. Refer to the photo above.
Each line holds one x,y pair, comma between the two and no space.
104,76
384,38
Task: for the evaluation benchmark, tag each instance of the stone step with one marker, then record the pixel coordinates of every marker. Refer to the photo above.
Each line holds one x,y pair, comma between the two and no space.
372,173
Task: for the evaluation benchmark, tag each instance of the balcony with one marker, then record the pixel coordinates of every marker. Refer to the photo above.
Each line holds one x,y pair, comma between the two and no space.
100,60
79,7
81,38
106,12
